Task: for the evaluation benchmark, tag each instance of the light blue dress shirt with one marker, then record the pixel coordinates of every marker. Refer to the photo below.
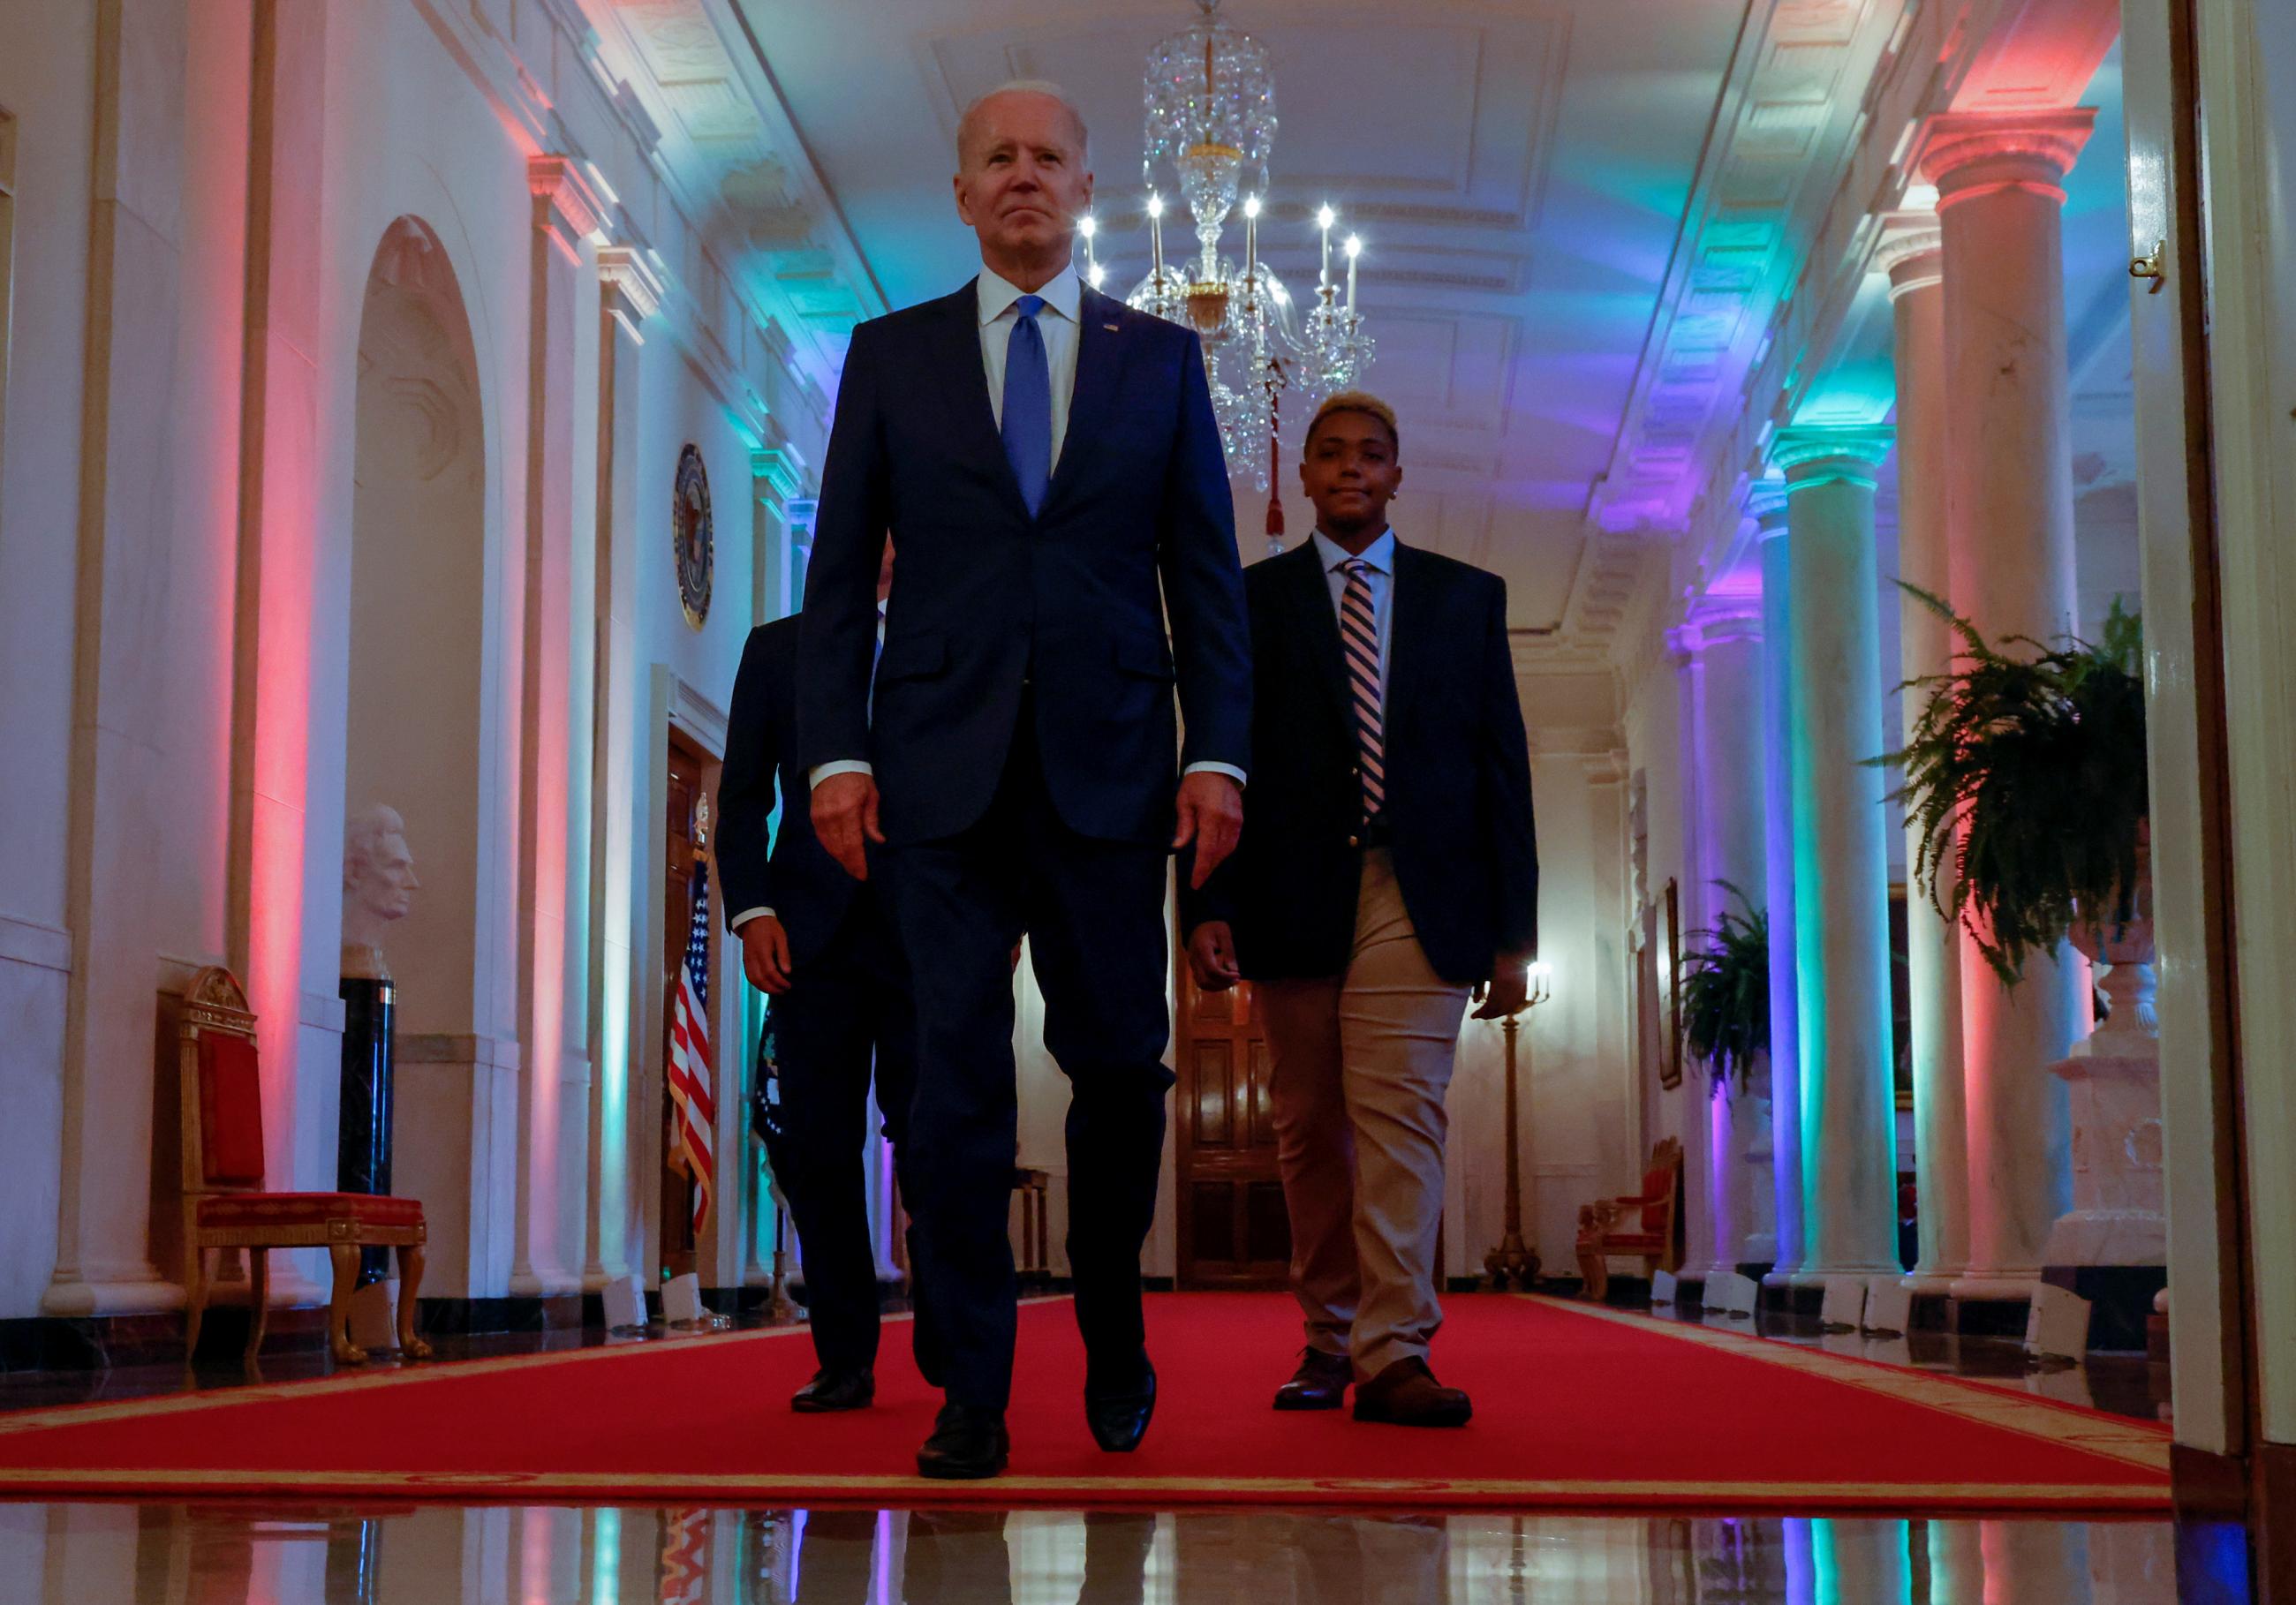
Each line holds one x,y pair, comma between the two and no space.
1379,559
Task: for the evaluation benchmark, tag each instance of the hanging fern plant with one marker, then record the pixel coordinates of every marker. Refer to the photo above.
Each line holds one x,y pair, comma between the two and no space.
1725,987
2024,778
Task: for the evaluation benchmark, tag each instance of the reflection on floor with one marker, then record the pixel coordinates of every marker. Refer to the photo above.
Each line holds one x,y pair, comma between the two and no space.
222,1555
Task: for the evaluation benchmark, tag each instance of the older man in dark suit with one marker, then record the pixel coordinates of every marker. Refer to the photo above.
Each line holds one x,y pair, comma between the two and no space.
1390,868
1047,461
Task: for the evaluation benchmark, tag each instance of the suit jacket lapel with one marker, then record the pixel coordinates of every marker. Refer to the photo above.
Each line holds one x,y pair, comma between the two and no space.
1310,593
1100,361
1413,619
965,389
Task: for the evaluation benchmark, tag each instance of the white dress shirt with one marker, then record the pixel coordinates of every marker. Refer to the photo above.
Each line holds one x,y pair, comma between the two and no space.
1057,322
1378,561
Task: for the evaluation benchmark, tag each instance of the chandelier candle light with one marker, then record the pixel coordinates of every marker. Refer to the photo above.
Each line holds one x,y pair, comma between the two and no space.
1209,94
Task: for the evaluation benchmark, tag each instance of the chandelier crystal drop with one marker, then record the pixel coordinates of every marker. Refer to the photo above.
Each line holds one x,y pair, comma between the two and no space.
1209,94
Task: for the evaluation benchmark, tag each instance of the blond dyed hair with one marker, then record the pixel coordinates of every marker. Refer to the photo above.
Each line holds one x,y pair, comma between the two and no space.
1353,401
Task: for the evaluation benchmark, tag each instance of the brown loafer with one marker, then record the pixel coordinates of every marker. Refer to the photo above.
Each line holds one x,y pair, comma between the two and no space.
1407,1394
1320,1383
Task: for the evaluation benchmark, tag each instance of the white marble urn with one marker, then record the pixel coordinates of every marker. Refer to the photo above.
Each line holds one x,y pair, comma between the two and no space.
2114,1081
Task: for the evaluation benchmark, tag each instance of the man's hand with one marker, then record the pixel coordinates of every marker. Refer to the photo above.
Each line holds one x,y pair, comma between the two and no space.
1508,991
1211,815
766,954
1211,957
845,818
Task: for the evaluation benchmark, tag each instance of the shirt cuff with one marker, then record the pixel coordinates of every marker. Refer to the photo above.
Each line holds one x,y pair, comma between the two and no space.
1230,770
822,772
748,914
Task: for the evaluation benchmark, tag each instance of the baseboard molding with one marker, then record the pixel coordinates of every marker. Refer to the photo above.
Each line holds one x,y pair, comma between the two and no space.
2206,1485
102,1342
2120,1301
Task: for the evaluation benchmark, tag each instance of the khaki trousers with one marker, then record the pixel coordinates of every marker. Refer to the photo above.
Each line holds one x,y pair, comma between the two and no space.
1359,1065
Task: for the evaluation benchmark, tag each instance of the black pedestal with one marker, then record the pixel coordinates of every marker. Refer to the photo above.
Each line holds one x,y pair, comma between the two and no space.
363,1140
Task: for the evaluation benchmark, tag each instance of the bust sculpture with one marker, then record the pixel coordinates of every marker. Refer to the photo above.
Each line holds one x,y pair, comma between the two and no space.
377,887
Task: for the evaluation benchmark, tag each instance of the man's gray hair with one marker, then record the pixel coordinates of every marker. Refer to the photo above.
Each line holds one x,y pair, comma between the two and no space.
1025,86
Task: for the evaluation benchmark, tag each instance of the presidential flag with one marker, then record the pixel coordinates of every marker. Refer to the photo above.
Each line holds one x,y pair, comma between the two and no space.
690,1079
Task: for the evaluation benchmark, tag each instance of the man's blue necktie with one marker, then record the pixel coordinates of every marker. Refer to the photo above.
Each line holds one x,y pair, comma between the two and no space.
1028,420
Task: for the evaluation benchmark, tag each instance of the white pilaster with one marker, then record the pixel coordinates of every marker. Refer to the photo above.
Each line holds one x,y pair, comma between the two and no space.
566,213
629,294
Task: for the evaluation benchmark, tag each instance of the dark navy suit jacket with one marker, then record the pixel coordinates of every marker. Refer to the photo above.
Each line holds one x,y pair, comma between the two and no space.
807,889
1458,777
1137,526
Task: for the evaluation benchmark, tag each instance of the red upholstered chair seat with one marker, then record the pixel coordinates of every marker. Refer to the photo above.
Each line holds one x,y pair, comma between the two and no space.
239,1210
1626,1243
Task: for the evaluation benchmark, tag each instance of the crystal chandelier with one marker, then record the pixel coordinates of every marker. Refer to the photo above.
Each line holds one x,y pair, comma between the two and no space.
1209,96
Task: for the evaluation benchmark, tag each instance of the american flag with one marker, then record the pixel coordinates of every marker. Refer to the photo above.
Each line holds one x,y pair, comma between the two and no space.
691,1078
684,1574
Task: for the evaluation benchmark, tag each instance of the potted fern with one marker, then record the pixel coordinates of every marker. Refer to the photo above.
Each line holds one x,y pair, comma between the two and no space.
1725,987
2024,778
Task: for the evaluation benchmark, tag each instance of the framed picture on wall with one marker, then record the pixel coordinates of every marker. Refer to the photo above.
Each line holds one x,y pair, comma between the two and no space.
1669,1074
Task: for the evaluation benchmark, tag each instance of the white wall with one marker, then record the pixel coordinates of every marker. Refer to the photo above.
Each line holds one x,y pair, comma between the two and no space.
123,712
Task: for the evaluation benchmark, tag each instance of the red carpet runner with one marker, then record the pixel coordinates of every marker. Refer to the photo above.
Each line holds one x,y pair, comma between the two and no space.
1574,1408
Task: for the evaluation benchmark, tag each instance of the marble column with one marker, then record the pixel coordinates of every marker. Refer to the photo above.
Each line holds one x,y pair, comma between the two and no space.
1766,503
2009,517
1911,255
566,212
630,292
1842,945
1724,640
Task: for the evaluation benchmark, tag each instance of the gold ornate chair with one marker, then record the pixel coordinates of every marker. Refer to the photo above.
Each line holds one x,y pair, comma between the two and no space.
1646,1226
224,1205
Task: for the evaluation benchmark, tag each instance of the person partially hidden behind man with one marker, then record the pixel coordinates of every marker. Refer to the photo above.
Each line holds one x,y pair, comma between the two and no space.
1388,866
822,944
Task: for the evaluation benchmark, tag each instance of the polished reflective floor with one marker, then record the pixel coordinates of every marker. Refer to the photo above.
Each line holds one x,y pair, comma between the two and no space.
226,1555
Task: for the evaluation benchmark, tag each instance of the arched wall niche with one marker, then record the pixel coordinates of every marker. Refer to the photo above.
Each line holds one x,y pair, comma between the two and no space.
418,615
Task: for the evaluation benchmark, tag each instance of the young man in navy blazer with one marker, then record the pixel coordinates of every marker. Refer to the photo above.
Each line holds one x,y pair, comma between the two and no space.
1049,465
1388,870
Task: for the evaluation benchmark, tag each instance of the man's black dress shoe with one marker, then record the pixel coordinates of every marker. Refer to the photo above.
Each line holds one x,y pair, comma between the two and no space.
968,1442
835,1390
1119,1415
1320,1383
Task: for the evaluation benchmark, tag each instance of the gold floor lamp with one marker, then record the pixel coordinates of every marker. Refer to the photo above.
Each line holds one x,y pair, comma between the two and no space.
1513,1260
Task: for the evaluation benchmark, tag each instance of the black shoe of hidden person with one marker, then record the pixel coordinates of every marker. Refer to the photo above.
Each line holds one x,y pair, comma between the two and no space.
832,1390
1119,1412
1320,1383
968,1442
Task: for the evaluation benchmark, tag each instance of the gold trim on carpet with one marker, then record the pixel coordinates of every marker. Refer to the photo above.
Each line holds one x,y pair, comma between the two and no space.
1008,1489
2128,1442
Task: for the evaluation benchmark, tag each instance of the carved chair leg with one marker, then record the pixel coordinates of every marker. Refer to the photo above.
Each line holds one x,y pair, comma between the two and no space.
346,1258
195,1297
410,1284
1594,1272
258,1300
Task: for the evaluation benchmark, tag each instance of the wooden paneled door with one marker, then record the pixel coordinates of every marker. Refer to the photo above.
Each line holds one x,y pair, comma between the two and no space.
1233,1229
